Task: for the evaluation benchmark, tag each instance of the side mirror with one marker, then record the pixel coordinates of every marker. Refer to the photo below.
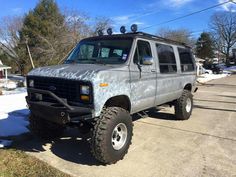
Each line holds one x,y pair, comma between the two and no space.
147,60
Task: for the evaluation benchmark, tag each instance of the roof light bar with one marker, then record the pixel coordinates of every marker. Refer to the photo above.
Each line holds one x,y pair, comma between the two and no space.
109,31
134,28
100,32
122,29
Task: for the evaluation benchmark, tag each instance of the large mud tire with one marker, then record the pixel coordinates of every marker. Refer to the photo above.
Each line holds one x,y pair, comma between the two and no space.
184,106
109,143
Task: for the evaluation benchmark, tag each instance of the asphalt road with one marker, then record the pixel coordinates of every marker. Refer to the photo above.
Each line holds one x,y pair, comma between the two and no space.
204,145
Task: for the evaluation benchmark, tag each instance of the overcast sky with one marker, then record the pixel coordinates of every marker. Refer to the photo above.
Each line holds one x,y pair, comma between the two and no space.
125,12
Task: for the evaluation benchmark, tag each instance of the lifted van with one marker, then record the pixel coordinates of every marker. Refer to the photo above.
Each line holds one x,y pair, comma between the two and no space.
105,80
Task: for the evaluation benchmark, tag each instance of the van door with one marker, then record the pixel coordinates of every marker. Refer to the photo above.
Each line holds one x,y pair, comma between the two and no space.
143,78
168,77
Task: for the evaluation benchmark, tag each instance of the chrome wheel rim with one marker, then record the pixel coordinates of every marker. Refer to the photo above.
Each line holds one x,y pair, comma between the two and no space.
188,105
119,136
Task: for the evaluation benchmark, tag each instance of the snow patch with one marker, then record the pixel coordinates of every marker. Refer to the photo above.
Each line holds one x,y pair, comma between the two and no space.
11,86
13,115
16,91
232,69
208,77
5,143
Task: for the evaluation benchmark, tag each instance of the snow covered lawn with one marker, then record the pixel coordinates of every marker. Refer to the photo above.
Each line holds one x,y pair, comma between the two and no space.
13,116
231,69
15,91
208,77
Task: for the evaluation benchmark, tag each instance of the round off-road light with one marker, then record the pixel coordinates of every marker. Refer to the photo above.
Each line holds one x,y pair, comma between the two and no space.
134,28
122,29
109,31
100,32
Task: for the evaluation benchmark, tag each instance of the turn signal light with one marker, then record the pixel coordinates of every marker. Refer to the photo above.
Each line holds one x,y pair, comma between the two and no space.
103,85
84,97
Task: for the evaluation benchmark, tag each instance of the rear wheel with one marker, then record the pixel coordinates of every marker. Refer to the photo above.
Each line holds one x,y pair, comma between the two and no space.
45,129
184,106
112,134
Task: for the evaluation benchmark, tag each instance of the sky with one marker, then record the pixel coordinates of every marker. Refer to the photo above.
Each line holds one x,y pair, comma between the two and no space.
126,12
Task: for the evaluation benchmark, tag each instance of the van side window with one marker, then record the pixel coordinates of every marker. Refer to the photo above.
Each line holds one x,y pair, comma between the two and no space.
186,60
143,50
166,58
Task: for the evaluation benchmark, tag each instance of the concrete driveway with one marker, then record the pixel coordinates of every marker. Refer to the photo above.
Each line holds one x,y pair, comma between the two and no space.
204,145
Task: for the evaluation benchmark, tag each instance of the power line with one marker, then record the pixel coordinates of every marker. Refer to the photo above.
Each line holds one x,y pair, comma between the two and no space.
187,15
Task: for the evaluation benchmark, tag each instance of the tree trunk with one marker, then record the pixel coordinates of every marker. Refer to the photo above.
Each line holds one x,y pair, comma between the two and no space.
227,57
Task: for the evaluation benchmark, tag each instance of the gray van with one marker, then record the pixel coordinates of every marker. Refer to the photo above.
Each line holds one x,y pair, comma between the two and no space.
104,81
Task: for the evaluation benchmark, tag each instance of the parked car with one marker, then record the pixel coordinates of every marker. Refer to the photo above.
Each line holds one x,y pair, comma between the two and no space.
216,69
104,81
206,71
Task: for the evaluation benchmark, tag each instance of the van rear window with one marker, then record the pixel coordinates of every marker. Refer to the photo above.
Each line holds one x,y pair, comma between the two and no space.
186,60
166,58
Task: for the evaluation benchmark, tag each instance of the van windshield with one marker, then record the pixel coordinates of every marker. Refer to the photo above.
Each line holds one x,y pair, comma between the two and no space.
105,51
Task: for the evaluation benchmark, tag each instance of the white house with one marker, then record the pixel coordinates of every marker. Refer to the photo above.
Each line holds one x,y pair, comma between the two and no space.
199,63
3,72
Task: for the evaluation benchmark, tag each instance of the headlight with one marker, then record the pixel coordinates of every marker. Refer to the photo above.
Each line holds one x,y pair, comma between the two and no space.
84,90
31,83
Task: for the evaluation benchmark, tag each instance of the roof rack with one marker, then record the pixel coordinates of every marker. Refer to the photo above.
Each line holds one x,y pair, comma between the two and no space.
160,38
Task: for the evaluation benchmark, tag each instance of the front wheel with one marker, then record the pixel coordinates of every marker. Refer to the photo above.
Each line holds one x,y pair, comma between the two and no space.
184,106
112,134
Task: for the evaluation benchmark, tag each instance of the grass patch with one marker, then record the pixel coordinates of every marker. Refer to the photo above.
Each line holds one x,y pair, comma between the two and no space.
17,163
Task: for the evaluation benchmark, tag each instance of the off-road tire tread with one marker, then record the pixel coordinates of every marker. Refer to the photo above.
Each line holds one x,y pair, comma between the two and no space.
97,146
179,105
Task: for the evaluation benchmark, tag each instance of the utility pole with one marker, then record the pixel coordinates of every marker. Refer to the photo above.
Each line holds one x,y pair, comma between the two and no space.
28,50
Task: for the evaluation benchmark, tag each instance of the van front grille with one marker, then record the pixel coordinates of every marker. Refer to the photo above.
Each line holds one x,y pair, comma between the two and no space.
63,88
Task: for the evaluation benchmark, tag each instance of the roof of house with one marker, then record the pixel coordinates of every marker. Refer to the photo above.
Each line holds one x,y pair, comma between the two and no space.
199,59
2,66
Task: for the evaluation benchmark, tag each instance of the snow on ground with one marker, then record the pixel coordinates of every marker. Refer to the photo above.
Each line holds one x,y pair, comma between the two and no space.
232,69
13,116
5,143
15,91
208,77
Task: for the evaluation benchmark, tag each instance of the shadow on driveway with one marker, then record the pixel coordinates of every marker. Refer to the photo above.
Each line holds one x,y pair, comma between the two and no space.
154,113
74,146
215,109
14,123
215,101
220,85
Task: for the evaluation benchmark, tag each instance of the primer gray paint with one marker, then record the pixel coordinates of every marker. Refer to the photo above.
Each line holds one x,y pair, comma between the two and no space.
147,91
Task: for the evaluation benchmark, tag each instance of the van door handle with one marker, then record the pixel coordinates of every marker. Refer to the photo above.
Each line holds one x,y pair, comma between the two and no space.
153,71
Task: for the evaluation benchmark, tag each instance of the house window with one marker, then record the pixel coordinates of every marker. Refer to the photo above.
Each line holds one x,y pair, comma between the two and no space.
166,56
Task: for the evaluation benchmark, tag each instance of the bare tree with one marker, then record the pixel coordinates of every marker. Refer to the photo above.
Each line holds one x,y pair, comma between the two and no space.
9,36
77,25
10,40
101,23
180,35
223,31
45,49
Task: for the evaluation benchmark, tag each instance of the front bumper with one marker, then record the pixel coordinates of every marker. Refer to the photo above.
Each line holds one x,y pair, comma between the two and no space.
59,111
